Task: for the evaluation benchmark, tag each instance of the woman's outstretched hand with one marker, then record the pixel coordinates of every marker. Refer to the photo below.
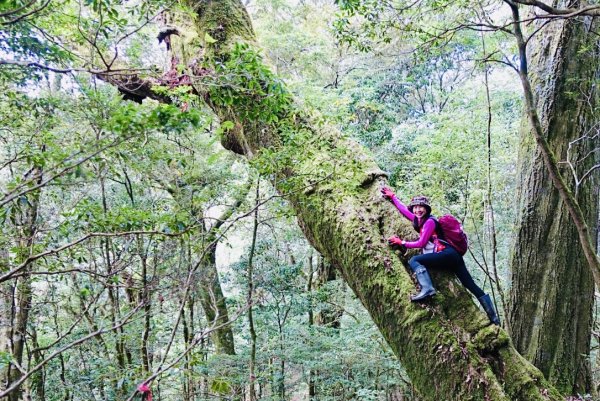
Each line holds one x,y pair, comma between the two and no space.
387,193
395,240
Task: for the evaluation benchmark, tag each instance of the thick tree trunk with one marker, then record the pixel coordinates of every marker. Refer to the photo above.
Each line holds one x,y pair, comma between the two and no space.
212,298
331,314
447,346
553,288
214,303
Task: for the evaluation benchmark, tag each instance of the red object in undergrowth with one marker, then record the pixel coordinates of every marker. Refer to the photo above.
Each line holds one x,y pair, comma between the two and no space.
146,392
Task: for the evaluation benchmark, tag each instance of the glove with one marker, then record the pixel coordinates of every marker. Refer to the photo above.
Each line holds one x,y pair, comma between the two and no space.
387,193
395,241
146,392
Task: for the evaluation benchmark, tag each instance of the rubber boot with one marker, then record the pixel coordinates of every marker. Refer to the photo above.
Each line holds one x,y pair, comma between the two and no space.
424,280
488,307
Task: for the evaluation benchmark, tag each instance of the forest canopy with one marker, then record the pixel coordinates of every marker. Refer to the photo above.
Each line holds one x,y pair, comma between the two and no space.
191,199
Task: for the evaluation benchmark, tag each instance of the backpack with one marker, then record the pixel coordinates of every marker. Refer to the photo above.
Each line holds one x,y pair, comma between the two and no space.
450,230
453,233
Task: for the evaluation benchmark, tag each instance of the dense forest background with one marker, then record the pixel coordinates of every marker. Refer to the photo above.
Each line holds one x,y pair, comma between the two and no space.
154,171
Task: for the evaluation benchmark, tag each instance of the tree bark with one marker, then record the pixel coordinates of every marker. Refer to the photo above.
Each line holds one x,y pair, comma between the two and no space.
312,387
25,220
212,298
6,299
552,294
146,299
250,301
447,346
214,303
328,315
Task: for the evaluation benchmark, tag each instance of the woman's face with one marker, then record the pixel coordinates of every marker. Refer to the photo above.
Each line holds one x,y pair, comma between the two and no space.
419,211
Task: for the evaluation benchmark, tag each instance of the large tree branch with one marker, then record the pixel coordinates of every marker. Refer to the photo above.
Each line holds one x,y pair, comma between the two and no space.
593,10
134,87
447,347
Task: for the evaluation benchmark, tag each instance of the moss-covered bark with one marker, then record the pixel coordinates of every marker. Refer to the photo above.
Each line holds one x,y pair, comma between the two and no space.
329,315
212,298
214,303
447,347
552,294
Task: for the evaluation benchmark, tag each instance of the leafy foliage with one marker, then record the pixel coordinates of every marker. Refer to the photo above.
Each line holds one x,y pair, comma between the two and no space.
125,194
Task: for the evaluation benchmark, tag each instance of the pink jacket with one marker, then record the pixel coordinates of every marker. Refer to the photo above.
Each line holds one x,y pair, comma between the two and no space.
426,231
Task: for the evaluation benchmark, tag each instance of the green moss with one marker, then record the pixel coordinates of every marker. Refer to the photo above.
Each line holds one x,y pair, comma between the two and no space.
333,186
522,380
226,21
490,339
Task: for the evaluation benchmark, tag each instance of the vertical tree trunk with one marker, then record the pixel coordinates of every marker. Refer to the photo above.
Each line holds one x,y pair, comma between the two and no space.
188,378
550,315
330,314
39,379
19,333
214,303
146,300
25,220
6,292
312,387
250,300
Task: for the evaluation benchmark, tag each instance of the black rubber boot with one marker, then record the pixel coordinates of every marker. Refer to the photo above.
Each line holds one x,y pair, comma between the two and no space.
488,307
424,280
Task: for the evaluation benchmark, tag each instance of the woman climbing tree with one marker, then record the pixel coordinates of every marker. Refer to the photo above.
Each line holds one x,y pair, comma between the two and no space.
437,252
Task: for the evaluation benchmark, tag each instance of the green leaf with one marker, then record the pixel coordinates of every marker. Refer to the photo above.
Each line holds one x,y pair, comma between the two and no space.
227,125
221,386
209,39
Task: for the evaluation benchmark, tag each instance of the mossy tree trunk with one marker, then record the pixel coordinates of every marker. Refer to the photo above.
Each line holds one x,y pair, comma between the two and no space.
447,346
214,303
553,288
212,298
329,315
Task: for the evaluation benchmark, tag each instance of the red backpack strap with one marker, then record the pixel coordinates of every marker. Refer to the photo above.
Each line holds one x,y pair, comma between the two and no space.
438,228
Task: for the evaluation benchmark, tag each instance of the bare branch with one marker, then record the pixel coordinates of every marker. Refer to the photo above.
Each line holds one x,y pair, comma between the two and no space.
17,10
590,171
10,196
563,12
21,17
12,273
56,353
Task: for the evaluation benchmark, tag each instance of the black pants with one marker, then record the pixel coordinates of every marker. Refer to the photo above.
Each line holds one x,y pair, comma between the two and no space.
447,259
